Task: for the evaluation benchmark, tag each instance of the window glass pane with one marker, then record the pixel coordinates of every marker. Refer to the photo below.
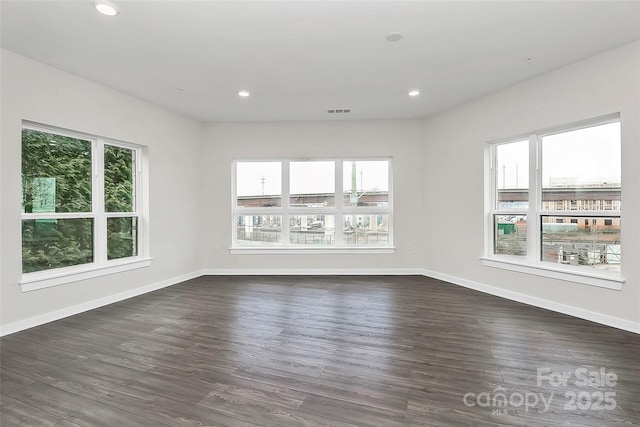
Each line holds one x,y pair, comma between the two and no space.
365,183
312,229
510,233
122,237
581,169
55,243
512,176
56,173
312,184
258,184
366,230
119,179
259,230
592,242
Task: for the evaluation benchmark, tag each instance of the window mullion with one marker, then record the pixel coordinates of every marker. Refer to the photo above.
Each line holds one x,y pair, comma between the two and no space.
286,199
535,193
338,234
390,191
580,213
490,232
234,203
137,205
58,215
121,215
338,186
100,227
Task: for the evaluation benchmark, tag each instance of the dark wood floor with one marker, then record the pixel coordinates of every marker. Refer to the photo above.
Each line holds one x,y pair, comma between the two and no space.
279,351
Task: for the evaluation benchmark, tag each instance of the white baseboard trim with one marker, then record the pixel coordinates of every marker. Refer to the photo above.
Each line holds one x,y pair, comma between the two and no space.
316,272
488,289
492,290
539,302
41,319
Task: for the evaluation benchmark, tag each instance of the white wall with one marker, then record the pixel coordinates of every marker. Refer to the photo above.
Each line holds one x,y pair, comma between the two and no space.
36,92
438,180
454,146
398,139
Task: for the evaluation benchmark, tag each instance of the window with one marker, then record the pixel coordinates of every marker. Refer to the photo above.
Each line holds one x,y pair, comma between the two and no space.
81,204
555,199
512,198
312,204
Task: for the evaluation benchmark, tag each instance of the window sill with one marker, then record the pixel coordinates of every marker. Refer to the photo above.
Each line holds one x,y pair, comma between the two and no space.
45,279
308,251
567,273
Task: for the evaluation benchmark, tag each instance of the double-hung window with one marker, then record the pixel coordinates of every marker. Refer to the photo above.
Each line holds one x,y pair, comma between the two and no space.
81,206
312,204
555,203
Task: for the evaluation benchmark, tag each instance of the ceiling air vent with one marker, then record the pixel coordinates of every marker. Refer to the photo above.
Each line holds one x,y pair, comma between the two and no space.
338,110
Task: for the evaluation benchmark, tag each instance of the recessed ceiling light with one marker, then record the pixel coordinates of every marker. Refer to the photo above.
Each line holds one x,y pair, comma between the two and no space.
106,7
394,37
244,93
414,93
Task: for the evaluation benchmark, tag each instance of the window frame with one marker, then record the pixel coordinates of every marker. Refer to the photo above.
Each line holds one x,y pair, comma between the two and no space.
101,265
532,262
286,211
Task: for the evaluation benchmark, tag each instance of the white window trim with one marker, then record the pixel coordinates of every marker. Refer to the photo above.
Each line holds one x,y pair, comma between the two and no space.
567,273
531,264
61,276
338,210
101,265
301,250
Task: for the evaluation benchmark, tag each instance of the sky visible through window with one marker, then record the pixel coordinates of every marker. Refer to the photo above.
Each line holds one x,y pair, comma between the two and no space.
258,178
312,177
581,157
370,175
264,178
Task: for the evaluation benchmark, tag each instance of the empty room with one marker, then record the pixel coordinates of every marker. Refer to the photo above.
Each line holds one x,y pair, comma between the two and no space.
319,213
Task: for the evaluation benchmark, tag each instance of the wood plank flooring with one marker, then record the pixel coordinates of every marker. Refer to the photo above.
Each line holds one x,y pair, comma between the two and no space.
315,351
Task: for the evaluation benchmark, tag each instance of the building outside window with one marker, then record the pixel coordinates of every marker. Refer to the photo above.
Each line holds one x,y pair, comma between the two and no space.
556,198
312,204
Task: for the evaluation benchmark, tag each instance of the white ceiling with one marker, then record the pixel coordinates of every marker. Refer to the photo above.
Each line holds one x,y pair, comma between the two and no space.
300,58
